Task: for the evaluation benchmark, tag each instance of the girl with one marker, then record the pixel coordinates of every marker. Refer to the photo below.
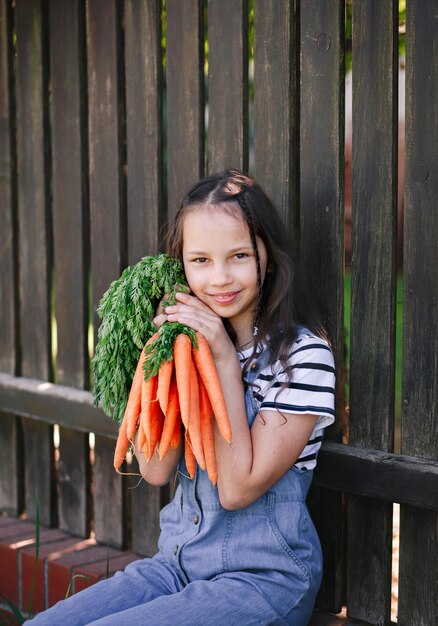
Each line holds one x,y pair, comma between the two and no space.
244,552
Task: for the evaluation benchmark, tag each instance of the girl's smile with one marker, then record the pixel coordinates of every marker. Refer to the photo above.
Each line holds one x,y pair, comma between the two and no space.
220,264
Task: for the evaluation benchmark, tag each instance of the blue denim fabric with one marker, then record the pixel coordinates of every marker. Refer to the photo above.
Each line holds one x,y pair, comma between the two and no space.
260,565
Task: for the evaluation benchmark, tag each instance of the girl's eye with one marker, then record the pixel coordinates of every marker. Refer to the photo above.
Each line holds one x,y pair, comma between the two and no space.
241,255
200,260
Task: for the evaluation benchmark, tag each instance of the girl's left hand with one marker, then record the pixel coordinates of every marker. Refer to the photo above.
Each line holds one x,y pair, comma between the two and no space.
190,311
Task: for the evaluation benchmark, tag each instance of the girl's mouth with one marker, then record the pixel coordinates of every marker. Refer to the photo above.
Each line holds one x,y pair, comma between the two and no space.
224,298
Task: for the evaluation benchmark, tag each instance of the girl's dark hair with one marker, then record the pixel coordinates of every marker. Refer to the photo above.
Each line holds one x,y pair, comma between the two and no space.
283,301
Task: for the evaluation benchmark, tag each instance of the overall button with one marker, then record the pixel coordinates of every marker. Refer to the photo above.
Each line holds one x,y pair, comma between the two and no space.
196,519
175,551
254,366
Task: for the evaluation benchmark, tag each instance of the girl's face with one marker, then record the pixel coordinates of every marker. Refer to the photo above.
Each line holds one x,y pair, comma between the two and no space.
220,265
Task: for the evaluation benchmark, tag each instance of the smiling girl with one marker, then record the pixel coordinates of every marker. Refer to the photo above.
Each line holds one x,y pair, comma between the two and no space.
245,551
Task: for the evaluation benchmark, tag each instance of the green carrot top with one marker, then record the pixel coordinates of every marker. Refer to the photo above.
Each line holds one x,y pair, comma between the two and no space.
127,309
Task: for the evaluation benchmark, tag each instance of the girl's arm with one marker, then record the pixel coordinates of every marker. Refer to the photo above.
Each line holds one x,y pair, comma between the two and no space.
158,472
260,456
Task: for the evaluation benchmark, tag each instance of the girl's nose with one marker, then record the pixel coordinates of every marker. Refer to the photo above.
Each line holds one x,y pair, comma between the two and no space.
220,276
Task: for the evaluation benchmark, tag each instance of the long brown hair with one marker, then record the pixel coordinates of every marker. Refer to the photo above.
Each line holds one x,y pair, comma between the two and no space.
283,302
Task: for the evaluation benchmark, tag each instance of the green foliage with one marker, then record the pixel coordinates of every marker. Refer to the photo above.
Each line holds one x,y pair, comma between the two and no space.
126,310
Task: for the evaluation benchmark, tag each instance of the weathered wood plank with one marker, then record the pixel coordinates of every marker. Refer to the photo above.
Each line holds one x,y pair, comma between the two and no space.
11,484
227,85
35,245
110,496
373,271
185,98
54,404
276,108
11,465
107,224
107,220
8,225
74,482
144,127
146,504
419,422
367,472
321,222
70,229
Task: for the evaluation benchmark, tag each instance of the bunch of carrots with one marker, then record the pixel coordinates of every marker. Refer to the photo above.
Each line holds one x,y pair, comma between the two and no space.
181,400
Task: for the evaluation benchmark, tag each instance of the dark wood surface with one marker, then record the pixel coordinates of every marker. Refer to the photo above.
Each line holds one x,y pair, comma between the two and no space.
8,221
419,420
185,98
71,246
144,127
321,225
11,485
227,85
34,240
373,294
276,162
107,220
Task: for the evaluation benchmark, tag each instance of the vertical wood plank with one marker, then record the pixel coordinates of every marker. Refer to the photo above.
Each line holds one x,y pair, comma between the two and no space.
321,225
8,226
11,465
146,504
70,228
419,426
35,246
373,269
110,497
107,220
144,133
227,84
185,97
11,462
276,155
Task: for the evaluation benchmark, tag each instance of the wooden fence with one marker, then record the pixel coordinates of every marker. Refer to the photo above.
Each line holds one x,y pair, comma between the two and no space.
109,110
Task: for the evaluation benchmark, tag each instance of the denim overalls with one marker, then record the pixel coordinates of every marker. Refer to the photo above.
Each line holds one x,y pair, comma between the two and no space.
255,566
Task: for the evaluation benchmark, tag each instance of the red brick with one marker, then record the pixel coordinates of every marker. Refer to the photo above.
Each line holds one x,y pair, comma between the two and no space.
35,575
59,568
62,569
119,563
13,537
98,570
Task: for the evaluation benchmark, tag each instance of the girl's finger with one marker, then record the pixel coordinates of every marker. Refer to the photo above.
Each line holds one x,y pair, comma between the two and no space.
159,320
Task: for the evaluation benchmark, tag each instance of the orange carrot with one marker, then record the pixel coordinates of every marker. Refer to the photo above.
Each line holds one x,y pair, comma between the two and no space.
182,354
189,456
207,430
170,419
164,378
141,436
148,400
176,437
207,370
194,426
122,446
156,427
133,406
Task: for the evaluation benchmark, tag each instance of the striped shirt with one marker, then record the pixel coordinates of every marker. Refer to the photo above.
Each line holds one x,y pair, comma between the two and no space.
311,390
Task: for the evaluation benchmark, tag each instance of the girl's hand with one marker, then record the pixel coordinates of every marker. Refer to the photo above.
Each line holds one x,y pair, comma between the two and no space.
160,316
190,311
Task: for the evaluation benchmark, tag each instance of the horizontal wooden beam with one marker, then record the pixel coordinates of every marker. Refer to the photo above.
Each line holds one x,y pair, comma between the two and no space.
362,471
56,404
375,474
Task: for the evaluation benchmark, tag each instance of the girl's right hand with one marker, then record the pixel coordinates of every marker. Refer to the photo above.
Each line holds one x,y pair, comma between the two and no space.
192,312
160,316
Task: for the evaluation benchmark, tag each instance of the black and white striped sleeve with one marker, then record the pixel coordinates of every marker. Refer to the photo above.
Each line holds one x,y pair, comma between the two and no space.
312,388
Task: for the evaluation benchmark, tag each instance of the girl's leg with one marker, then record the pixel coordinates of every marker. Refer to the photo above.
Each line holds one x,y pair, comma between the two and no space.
139,583
231,600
